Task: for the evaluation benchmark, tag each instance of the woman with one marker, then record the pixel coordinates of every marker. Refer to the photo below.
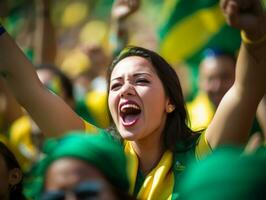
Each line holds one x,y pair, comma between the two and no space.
145,102
10,176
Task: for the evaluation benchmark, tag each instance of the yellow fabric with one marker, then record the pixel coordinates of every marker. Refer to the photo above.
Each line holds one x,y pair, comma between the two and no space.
22,160
200,112
20,137
159,183
203,147
96,101
210,18
90,128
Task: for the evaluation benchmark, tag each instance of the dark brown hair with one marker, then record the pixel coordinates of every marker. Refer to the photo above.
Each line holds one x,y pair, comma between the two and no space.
176,128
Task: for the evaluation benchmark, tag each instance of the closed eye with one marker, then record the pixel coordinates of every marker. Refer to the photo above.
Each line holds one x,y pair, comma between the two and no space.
142,81
116,86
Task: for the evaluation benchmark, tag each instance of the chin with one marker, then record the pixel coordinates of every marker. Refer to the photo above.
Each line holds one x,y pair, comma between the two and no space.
126,135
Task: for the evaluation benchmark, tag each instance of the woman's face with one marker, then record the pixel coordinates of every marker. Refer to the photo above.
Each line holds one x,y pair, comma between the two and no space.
75,179
137,100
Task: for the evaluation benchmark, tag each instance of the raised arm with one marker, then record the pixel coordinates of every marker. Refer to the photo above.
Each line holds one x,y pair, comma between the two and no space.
44,35
121,10
51,114
12,110
237,109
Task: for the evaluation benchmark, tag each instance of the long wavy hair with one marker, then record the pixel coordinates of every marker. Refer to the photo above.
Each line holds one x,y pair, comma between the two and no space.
176,130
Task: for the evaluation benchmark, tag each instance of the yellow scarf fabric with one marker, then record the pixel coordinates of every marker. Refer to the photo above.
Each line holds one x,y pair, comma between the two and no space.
158,183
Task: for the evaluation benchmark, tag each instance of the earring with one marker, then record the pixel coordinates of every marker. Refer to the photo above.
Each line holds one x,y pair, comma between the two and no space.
171,108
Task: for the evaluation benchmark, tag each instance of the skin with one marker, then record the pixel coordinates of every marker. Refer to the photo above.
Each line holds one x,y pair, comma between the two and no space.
134,79
8,178
217,75
232,119
4,179
66,173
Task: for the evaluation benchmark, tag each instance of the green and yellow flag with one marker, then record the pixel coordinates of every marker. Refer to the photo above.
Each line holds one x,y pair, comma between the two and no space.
190,26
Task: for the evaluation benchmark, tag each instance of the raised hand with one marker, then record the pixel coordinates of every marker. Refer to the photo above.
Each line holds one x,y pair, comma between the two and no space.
247,15
123,8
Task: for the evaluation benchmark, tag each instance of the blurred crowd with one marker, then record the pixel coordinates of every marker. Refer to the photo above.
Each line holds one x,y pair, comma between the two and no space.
71,44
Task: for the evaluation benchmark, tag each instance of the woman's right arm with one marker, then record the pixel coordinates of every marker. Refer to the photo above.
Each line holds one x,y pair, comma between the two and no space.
50,112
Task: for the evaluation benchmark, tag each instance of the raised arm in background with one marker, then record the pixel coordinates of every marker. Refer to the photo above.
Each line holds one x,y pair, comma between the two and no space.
237,109
44,35
121,10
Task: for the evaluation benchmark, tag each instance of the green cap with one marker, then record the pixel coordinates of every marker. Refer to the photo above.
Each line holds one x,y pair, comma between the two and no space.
100,150
226,174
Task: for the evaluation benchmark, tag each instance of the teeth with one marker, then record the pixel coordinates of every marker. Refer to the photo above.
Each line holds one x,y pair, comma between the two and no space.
129,106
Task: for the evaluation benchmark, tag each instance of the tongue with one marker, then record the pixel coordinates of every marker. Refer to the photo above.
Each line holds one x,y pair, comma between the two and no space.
128,119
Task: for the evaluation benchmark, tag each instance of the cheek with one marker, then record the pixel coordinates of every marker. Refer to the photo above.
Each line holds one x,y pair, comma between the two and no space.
154,101
112,104
3,172
3,181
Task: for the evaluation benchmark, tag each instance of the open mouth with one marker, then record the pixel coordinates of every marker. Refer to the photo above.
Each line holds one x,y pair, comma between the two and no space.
129,113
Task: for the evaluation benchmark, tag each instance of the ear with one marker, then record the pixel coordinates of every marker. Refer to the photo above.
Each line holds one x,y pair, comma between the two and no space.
15,176
169,107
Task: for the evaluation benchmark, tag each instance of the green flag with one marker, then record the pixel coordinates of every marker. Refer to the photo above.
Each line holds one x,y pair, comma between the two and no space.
188,27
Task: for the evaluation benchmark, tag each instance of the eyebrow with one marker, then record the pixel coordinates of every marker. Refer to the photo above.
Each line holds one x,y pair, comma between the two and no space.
134,75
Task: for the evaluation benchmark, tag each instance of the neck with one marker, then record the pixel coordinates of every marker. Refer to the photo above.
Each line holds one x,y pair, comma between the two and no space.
149,153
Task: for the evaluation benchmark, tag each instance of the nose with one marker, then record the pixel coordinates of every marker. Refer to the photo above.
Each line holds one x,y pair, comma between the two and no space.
127,90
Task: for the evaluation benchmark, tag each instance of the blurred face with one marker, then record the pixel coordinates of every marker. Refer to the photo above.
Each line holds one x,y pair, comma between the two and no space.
217,75
4,179
75,179
137,100
52,82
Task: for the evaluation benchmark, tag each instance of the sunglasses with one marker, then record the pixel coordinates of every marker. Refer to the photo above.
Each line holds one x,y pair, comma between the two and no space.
90,190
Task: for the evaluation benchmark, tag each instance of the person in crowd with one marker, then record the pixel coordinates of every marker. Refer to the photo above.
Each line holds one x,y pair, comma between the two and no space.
10,175
216,76
93,106
240,176
147,106
86,166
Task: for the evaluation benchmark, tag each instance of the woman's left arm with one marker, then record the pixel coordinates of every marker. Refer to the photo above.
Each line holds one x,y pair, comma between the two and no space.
237,109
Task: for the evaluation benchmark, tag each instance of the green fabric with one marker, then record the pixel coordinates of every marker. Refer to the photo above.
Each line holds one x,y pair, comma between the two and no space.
100,150
83,111
184,155
226,174
139,182
188,28
224,37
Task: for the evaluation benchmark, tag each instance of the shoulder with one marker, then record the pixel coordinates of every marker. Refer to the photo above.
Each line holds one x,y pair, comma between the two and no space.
195,148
